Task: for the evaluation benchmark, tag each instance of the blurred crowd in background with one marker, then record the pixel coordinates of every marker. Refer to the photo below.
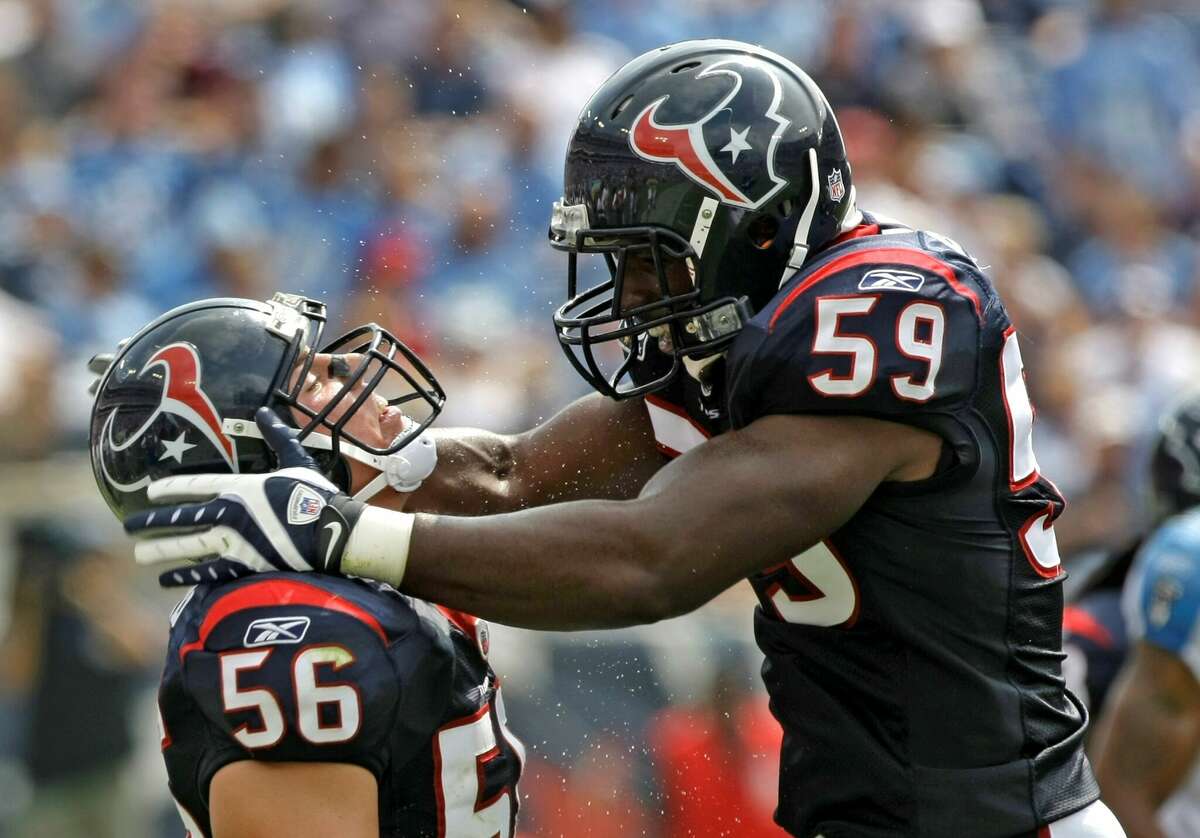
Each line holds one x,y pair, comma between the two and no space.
398,159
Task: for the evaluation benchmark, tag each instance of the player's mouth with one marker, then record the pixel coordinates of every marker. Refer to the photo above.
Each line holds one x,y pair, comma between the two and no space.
662,333
392,422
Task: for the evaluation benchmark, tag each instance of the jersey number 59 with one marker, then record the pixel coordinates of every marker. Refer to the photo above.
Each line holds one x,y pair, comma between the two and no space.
919,335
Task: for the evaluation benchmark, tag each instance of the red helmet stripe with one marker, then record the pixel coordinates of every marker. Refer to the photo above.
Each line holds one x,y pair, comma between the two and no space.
673,144
183,388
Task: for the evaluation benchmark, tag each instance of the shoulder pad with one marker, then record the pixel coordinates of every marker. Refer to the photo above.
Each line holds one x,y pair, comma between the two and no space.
882,327
1162,601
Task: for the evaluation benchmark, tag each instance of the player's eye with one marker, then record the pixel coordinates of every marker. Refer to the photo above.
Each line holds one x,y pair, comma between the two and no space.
313,384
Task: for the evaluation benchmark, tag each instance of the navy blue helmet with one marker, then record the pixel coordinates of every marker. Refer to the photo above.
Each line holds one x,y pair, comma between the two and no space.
180,396
718,154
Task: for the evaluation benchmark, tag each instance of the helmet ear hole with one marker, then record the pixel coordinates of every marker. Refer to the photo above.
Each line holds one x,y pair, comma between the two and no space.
762,231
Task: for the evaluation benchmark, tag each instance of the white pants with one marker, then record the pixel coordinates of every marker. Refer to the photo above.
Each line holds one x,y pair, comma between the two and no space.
1093,821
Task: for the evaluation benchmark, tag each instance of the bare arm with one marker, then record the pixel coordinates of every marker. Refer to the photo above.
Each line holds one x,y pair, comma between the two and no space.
1149,737
299,799
734,505
480,472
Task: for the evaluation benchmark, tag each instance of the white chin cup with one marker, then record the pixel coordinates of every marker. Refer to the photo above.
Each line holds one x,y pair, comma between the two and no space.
407,468
403,471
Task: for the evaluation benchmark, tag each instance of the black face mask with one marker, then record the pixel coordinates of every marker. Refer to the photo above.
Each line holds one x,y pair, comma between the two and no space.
595,320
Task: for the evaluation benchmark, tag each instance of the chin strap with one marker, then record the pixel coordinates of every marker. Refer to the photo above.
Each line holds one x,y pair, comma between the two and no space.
403,471
800,248
696,366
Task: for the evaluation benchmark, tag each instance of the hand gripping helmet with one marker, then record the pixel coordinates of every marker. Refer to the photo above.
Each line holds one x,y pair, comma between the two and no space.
1175,462
180,396
717,153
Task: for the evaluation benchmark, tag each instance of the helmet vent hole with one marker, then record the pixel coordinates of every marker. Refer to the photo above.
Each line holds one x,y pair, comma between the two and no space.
690,65
762,231
622,105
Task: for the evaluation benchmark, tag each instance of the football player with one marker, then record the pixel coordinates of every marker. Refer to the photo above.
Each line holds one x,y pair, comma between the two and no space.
792,391
1148,740
303,705
1094,638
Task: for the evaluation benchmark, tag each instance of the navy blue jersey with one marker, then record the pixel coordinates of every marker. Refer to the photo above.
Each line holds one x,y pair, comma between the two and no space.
1096,644
913,657
1094,635
302,667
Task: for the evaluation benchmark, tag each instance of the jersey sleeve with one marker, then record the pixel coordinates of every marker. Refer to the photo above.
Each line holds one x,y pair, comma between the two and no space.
890,331
285,670
1162,596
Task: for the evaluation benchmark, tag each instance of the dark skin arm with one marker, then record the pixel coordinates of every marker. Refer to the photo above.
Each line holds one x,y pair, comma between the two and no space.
593,448
740,502
1148,738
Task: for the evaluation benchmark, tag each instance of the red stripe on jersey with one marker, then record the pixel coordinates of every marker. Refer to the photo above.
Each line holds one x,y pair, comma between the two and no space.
276,592
1081,623
880,256
466,622
859,232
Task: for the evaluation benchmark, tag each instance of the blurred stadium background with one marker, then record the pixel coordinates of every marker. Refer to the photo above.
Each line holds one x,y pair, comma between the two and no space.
397,158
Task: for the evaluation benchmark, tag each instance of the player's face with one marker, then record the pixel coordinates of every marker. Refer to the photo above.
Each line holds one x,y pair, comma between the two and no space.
375,423
641,284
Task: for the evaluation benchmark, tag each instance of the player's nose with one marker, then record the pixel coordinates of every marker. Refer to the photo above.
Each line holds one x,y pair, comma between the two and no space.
638,288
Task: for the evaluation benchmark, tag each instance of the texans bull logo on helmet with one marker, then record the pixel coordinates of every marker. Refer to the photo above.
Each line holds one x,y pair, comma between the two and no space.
731,138
183,398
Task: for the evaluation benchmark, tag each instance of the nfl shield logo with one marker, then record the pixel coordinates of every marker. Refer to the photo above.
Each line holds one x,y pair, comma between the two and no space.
837,189
304,506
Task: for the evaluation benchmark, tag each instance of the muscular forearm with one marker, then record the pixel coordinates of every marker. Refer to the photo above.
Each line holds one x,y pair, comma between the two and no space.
476,475
481,473
1151,736
573,566
594,448
578,565
704,522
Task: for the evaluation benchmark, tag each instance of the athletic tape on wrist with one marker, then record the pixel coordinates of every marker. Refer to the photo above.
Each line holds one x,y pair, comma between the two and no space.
378,545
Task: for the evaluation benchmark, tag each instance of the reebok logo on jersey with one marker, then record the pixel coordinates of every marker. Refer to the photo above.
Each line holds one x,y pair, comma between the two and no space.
304,506
275,630
886,279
